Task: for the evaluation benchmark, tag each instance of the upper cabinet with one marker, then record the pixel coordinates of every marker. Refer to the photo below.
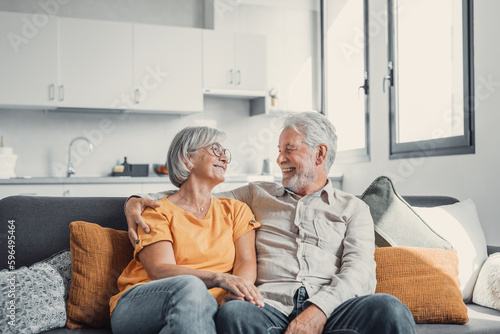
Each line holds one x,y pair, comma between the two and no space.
28,60
234,64
167,69
104,65
95,63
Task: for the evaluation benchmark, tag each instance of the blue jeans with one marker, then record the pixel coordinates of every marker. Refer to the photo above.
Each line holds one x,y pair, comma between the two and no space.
179,304
377,314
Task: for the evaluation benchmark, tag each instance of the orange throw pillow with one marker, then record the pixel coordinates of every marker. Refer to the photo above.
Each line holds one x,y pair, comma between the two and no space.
98,257
424,279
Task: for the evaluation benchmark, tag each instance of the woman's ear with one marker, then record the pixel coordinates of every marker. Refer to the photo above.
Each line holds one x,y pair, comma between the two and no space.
321,152
189,164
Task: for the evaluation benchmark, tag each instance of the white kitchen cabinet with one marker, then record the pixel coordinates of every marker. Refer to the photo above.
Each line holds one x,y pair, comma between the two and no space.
48,63
102,190
234,62
157,187
31,190
95,63
167,69
28,60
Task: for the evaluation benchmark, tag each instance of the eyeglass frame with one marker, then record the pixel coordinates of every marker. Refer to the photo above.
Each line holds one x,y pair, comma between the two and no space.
218,148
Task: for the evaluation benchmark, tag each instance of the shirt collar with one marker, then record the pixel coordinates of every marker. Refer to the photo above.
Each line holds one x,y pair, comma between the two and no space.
326,193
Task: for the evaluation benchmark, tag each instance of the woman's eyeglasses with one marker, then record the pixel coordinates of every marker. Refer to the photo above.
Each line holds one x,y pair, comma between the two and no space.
219,151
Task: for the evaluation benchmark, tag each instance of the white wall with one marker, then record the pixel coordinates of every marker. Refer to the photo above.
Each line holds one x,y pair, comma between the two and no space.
40,139
472,176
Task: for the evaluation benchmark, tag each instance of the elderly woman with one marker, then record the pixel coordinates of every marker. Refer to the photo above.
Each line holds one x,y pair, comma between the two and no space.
200,251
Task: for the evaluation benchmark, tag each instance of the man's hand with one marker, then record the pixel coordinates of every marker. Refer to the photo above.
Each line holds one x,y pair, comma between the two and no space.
133,210
311,320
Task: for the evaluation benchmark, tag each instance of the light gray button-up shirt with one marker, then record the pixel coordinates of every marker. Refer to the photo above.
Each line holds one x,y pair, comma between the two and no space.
323,241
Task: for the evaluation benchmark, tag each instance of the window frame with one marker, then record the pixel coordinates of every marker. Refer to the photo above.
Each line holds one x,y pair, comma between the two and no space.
463,144
360,154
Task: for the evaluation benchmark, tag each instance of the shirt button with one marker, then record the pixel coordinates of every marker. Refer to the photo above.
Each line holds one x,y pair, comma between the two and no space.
298,240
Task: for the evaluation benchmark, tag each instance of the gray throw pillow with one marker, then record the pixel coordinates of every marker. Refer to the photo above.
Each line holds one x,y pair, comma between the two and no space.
32,299
396,224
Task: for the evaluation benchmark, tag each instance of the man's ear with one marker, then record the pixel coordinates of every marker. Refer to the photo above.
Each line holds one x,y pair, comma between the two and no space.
321,152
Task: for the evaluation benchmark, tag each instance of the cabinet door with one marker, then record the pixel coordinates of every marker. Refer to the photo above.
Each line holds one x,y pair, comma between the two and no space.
218,60
31,190
250,61
96,65
28,60
167,68
102,190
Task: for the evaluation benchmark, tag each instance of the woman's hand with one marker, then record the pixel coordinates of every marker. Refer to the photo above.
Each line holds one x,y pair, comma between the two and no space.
240,289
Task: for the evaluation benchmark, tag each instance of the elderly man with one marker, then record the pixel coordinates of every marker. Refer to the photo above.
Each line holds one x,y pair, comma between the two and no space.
315,248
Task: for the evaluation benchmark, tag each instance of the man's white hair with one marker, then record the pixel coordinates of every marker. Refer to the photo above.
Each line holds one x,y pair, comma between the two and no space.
316,129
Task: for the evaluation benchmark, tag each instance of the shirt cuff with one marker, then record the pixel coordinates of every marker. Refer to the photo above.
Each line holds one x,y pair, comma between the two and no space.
325,301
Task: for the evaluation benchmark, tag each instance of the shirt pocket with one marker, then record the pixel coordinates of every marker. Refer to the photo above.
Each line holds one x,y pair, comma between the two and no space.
330,235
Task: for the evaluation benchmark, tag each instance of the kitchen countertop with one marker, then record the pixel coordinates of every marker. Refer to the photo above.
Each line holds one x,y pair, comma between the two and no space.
129,179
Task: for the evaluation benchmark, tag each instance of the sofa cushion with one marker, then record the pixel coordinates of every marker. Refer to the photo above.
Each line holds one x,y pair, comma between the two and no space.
459,224
32,299
487,289
396,224
98,257
424,279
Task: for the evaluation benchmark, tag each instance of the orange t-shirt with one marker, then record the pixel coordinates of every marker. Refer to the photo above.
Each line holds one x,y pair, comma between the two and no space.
201,244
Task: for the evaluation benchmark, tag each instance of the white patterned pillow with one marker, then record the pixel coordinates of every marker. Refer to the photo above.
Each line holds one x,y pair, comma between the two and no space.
459,224
487,289
62,263
32,299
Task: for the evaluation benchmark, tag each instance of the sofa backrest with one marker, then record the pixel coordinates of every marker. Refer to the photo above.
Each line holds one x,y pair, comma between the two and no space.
42,223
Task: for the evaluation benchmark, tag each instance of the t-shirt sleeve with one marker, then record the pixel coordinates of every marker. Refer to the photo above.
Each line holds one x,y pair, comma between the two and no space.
244,220
159,229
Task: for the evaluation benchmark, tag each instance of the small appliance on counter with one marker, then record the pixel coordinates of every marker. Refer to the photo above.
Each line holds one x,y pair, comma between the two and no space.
126,169
7,161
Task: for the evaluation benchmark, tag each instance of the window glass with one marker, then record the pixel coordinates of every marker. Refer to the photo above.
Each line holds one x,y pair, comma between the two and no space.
430,80
430,75
344,47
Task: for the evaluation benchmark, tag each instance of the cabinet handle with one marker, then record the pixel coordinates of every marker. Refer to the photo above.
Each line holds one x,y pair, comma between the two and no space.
136,96
238,75
52,91
61,93
230,80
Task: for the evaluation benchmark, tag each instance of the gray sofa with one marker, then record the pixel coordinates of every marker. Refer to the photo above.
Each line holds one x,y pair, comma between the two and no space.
42,229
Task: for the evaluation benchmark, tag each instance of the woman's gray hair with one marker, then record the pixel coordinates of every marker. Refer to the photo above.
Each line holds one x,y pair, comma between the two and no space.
187,141
316,129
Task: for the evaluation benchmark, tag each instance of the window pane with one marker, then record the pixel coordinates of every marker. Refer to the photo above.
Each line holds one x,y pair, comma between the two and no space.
345,71
429,63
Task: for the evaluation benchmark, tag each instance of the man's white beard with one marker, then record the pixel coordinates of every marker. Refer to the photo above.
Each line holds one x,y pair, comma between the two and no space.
300,181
